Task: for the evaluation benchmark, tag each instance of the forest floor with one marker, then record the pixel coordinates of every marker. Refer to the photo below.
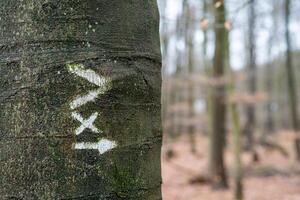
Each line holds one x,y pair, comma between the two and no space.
274,177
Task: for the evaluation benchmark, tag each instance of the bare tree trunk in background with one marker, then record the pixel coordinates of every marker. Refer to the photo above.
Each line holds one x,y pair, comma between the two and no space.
235,126
269,125
249,128
237,141
205,39
80,100
236,130
190,53
207,69
178,115
167,85
235,123
217,140
291,80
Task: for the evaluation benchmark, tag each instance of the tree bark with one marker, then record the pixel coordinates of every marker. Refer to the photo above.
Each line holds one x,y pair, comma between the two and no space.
80,100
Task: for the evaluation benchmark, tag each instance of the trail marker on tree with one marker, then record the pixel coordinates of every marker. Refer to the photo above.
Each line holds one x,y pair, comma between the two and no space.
103,145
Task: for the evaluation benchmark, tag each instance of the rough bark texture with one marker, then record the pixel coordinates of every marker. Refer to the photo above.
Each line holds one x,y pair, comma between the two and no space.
41,42
218,106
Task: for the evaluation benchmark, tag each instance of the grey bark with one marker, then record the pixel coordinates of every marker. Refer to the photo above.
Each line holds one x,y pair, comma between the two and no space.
118,40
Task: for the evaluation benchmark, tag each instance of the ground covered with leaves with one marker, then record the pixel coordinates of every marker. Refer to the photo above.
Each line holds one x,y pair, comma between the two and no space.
275,176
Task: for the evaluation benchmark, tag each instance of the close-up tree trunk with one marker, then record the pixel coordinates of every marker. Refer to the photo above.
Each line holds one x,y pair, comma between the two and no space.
80,94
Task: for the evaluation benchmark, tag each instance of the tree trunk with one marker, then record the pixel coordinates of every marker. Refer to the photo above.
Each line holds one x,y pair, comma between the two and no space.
205,36
207,68
236,131
269,124
80,99
291,80
250,109
218,106
235,125
238,169
190,64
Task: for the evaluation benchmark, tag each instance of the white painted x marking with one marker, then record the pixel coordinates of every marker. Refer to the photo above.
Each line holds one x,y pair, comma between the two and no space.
85,123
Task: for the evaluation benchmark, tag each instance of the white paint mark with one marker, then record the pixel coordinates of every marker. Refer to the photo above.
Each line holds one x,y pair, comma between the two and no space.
102,146
85,123
104,85
89,75
80,101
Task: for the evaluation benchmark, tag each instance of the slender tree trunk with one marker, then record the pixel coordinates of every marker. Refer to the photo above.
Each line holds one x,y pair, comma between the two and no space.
80,100
180,30
269,125
217,140
167,95
236,128
205,39
190,62
207,69
250,109
291,81
235,124
238,176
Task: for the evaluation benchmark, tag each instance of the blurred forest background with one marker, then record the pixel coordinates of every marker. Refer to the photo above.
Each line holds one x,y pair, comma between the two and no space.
231,89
